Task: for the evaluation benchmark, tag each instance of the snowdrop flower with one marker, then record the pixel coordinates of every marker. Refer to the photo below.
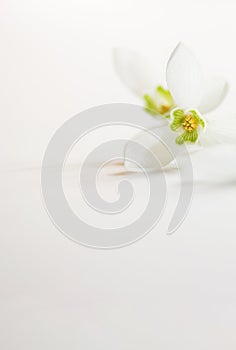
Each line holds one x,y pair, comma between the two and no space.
195,94
141,78
182,108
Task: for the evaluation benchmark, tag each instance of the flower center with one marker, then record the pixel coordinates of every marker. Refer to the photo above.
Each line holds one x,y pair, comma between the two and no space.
164,109
190,123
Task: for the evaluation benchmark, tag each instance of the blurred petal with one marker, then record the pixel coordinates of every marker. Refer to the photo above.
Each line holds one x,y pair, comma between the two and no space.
150,149
134,71
184,77
214,91
219,131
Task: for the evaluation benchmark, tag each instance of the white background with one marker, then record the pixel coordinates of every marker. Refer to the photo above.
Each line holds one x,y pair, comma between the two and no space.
162,293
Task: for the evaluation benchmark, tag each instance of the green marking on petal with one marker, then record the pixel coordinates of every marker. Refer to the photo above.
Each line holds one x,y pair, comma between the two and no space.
191,136
175,125
151,107
180,139
178,118
178,113
187,136
166,95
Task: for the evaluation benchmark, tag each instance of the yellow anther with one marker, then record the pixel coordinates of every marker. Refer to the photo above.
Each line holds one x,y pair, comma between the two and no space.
190,123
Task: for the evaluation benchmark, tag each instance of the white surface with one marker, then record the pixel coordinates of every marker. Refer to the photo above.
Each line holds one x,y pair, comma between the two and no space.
165,293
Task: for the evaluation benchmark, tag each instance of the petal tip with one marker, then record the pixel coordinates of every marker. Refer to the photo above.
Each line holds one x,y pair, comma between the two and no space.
184,76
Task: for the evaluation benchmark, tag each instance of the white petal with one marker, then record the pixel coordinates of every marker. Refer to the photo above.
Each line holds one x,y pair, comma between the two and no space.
219,133
184,77
214,91
149,149
134,71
